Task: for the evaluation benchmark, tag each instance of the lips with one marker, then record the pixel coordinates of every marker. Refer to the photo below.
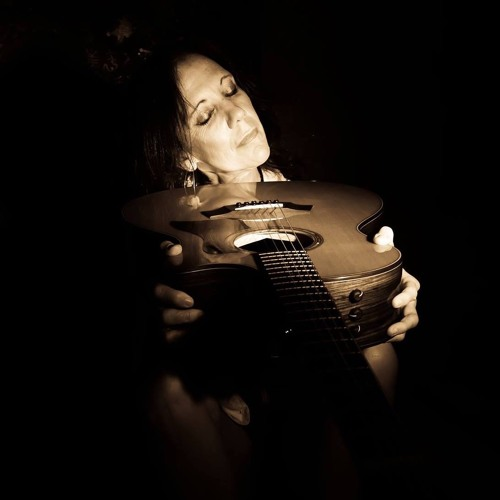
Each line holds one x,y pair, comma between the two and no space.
249,137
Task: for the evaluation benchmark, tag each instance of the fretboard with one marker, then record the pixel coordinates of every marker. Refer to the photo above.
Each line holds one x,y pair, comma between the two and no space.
327,356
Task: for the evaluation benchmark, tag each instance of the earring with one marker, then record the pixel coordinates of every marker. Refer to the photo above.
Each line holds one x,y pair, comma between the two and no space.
194,165
189,176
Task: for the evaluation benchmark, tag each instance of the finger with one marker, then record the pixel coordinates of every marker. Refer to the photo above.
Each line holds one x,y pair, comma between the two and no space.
173,297
397,338
409,320
171,249
173,253
384,237
408,279
177,317
171,335
410,287
174,317
405,297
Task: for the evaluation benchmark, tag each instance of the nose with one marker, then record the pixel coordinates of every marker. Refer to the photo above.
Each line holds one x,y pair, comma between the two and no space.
234,114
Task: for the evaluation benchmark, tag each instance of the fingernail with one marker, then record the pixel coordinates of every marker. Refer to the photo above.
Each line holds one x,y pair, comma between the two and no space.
170,248
175,250
236,409
165,245
172,335
187,301
196,314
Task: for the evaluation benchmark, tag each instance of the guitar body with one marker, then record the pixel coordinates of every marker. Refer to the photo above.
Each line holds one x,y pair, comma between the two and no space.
333,226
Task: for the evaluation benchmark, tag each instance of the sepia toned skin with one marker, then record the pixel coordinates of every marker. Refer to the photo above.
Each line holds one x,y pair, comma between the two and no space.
227,139
227,142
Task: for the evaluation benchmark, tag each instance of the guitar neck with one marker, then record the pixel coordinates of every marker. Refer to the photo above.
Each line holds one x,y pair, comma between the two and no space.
330,367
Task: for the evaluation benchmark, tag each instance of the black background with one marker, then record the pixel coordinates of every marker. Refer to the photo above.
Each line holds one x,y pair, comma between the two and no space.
359,90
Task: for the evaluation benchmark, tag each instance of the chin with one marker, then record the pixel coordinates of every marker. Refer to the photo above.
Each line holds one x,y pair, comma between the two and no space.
261,153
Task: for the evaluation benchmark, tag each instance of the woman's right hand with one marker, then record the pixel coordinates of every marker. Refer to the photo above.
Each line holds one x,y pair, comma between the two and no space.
177,306
177,314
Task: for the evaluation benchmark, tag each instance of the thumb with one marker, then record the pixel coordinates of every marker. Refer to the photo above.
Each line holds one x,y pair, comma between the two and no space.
172,251
385,236
384,239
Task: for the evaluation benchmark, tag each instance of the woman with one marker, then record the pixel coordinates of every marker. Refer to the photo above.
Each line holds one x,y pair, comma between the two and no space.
202,127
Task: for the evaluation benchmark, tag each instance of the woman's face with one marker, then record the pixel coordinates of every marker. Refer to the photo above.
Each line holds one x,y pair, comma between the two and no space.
226,133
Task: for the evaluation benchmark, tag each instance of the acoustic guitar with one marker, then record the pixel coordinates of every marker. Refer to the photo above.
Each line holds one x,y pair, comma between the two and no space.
307,244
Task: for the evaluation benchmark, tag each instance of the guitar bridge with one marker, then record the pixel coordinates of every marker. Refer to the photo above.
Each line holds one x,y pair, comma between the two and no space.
261,210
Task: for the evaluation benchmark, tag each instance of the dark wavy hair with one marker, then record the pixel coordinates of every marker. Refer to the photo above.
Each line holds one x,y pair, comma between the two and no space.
160,115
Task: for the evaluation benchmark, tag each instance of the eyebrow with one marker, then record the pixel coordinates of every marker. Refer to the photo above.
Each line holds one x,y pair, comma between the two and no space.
221,81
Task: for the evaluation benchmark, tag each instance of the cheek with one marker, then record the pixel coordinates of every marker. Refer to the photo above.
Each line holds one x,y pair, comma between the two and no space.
215,150
209,141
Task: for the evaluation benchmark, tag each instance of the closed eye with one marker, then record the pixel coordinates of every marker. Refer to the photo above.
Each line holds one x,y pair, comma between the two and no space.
231,89
205,117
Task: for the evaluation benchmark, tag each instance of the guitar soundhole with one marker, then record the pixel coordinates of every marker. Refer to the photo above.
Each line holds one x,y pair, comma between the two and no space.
278,240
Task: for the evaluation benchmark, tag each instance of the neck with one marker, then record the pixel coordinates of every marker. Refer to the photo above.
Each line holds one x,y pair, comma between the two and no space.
250,175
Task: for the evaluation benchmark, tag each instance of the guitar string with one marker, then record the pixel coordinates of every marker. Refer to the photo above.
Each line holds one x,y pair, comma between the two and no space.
308,281
298,275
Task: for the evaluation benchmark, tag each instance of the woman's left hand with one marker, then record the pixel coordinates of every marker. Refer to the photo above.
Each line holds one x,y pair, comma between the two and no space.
406,299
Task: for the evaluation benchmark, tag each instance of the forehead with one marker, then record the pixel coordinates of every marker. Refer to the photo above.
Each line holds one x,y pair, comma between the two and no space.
197,74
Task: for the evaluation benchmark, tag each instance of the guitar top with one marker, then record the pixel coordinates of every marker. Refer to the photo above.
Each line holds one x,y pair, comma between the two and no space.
340,217
330,221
